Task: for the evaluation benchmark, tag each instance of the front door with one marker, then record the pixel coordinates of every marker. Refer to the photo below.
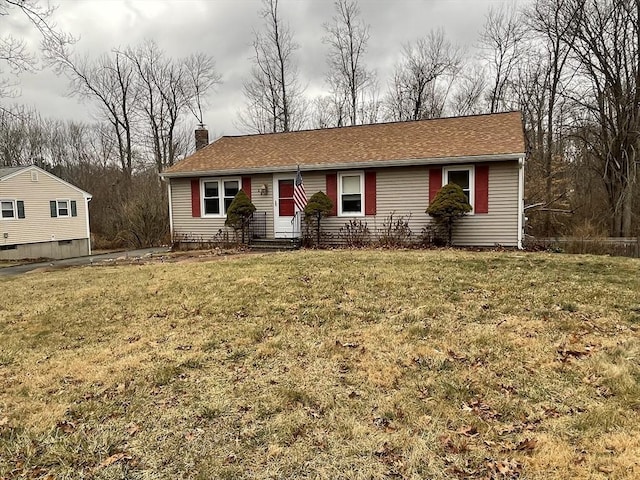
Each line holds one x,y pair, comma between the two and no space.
284,225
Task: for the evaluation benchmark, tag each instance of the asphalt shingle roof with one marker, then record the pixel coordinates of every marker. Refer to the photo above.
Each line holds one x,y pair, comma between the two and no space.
478,135
4,171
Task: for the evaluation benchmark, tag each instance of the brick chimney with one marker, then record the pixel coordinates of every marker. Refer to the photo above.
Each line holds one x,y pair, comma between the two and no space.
202,137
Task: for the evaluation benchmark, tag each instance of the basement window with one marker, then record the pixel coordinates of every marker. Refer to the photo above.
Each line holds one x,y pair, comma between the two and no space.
8,247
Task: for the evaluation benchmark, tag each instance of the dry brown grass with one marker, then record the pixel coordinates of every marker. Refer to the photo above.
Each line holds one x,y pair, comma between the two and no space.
361,365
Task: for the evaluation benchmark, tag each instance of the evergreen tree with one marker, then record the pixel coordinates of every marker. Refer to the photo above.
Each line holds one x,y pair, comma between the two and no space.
239,212
449,204
318,206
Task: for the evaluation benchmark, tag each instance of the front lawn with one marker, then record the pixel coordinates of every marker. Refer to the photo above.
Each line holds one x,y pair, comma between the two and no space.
328,364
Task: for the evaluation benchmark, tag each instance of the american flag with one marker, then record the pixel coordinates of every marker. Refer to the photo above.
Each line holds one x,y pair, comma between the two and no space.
299,195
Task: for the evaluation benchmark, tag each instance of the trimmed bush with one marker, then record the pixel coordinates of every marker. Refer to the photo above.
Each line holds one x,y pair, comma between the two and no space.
239,212
318,206
449,204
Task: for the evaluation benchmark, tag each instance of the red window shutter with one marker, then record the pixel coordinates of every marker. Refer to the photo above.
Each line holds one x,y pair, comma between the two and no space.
370,193
332,191
246,186
481,204
195,197
435,182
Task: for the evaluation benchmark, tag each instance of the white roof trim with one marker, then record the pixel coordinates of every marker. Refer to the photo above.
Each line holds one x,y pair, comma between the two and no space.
51,175
350,165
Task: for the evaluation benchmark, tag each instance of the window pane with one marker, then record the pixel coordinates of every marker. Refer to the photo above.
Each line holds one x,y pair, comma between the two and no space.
227,203
63,208
212,206
7,210
352,203
460,177
210,189
351,184
231,188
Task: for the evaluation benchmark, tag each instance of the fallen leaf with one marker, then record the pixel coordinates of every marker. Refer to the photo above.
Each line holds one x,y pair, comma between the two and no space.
447,444
605,469
66,426
133,429
527,444
116,457
468,431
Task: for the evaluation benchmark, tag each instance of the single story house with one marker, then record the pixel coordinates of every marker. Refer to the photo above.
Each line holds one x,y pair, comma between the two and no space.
41,215
369,171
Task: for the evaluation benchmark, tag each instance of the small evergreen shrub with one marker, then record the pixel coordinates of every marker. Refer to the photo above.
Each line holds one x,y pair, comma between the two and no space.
239,213
318,207
449,205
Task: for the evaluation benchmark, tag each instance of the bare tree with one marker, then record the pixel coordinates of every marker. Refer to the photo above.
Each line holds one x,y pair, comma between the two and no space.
604,38
167,90
501,45
14,52
202,76
273,91
541,89
422,78
347,38
468,91
111,80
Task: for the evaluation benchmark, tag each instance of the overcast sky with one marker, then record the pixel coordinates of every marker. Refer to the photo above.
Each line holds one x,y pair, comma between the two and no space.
223,29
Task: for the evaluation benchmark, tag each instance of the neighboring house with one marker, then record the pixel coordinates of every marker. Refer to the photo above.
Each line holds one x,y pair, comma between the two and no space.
41,216
369,171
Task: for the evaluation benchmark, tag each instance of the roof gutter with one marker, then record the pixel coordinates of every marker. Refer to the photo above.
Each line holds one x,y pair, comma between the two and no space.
408,162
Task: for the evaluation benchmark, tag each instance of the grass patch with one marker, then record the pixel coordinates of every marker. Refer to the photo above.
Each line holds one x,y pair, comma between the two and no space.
328,364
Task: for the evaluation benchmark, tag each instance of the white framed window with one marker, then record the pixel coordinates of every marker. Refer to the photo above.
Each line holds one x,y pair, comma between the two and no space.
7,209
463,176
63,209
217,195
11,209
351,194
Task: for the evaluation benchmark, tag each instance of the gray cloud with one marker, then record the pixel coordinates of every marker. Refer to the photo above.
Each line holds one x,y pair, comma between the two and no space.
224,29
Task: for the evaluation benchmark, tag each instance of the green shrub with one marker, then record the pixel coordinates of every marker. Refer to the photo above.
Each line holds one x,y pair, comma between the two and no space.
318,206
449,204
239,212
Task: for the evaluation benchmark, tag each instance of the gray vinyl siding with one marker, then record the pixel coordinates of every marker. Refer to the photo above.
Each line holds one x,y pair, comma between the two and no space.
187,228
38,226
500,225
401,191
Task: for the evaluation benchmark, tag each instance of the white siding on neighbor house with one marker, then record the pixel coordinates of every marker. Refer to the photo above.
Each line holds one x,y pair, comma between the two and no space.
401,191
38,225
200,229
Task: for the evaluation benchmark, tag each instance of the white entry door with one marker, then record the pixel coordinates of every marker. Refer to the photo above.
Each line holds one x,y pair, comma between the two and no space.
284,225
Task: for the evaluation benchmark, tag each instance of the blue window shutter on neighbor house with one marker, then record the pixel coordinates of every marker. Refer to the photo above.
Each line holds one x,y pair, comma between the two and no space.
20,204
54,209
74,209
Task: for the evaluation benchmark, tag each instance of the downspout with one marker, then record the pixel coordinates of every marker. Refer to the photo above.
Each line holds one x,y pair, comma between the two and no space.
168,180
520,202
86,206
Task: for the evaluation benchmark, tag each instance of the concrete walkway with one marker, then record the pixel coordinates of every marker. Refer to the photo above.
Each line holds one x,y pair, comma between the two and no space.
88,260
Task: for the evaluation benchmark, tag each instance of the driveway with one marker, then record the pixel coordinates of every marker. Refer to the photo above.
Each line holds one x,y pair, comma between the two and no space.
87,260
